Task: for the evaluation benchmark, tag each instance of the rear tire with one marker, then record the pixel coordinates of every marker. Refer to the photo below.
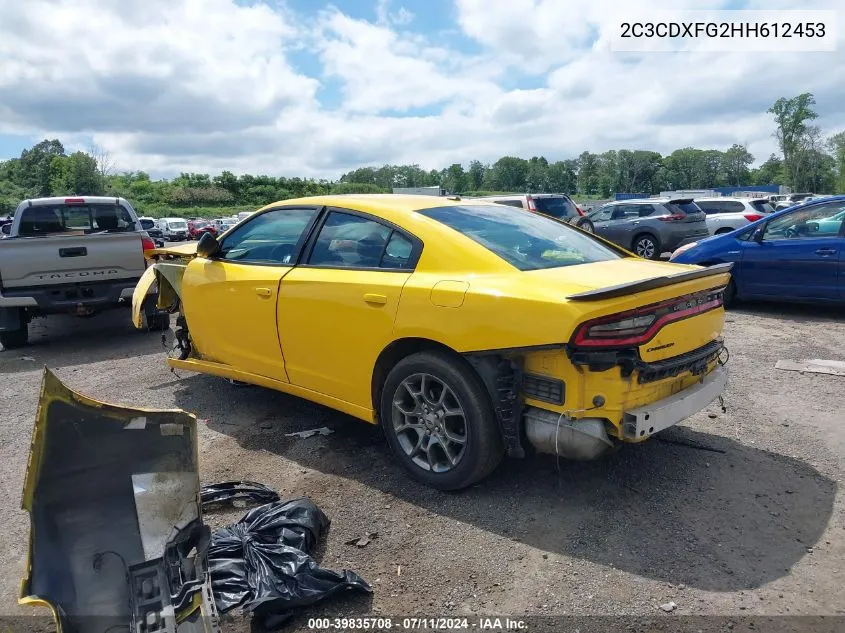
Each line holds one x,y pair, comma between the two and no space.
439,421
12,339
647,246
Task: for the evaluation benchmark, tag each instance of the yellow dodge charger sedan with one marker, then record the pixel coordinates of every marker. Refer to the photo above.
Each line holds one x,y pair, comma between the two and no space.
467,330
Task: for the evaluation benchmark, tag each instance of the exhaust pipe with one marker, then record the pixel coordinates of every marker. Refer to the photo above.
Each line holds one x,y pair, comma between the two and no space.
551,433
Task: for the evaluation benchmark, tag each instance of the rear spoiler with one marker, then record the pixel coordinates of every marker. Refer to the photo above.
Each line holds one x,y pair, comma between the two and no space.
649,284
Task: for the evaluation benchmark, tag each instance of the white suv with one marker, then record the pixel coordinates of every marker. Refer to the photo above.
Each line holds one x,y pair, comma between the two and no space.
729,214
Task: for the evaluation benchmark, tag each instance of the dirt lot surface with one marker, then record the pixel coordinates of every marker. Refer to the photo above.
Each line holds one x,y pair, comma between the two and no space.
754,526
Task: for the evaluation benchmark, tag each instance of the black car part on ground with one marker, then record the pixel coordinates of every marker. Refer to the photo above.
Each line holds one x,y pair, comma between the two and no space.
263,564
231,491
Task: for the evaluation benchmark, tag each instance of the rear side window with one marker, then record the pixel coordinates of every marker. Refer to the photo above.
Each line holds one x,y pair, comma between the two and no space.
74,219
527,241
351,241
558,207
682,208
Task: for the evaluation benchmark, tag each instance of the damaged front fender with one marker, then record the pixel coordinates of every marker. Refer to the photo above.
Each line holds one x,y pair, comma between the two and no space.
117,539
166,276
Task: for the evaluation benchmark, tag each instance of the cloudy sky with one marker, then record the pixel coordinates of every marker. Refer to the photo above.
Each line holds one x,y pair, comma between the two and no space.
301,87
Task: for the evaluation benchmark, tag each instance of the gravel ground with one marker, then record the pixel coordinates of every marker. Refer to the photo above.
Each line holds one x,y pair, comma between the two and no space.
752,527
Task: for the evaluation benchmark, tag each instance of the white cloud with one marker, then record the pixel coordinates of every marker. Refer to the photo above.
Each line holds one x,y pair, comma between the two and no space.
207,85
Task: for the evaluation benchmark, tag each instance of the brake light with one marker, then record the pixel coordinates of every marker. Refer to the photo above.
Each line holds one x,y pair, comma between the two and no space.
639,326
578,209
72,201
531,205
675,217
753,217
147,243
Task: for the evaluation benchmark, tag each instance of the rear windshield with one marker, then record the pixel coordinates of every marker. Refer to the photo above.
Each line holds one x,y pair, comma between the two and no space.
177,225
683,208
76,219
525,240
147,224
762,206
556,207
199,224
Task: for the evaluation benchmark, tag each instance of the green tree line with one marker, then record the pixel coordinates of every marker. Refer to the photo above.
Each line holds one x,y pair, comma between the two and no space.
807,162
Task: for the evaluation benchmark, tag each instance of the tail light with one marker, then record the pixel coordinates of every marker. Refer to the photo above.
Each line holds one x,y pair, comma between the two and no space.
578,209
639,326
753,217
531,205
675,217
147,243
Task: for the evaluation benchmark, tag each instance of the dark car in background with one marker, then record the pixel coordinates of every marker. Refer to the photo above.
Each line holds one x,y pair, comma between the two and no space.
151,227
652,226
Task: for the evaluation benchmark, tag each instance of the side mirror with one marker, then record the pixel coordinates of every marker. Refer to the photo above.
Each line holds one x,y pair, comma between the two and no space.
758,234
207,246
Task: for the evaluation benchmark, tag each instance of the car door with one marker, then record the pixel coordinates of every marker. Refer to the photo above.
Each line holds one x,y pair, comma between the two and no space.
621,225
230,300
336,309
796,255
601,219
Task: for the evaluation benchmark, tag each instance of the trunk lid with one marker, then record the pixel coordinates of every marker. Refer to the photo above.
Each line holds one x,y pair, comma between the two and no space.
117,539
685,302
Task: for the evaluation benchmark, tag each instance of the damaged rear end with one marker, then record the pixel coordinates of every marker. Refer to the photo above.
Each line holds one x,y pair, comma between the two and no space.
117,540
626,372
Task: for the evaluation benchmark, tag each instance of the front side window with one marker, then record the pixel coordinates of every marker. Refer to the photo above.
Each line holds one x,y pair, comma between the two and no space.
821,221
270,238
527,241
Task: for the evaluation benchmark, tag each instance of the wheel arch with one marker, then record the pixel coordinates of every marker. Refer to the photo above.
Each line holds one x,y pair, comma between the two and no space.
501,377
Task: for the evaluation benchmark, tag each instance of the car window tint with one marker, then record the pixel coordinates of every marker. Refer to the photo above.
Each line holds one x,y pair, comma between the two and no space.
644,210
270,237
527,241
398,252
601,214
710,207
349,241
47,219
557,207
683,208
822,221
762,206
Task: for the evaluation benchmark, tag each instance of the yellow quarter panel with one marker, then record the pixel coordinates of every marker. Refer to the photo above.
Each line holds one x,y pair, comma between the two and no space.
231,313
333,323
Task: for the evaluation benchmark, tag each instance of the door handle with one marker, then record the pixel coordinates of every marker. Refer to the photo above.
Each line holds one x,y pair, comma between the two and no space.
375,298
263,292
826,251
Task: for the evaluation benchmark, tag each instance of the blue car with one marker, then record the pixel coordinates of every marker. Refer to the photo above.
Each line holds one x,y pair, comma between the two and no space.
797,254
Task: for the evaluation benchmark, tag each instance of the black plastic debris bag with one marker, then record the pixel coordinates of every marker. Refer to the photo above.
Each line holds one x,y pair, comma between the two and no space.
263,564
231,491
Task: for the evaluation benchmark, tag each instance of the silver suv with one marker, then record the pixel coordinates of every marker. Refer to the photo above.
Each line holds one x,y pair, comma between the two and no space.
649,227
729,214
556,205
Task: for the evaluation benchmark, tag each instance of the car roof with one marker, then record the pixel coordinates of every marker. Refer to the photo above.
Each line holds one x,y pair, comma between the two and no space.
378,203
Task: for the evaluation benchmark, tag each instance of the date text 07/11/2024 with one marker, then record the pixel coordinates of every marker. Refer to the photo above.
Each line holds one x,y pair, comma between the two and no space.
416,624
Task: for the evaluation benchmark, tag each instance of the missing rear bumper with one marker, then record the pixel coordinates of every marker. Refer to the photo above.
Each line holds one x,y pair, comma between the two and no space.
640,423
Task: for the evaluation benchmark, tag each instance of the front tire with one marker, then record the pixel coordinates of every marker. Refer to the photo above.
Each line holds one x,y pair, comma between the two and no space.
647,246
439,422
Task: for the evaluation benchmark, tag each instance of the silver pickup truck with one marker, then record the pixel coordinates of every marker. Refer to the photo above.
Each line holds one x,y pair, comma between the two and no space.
74,255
